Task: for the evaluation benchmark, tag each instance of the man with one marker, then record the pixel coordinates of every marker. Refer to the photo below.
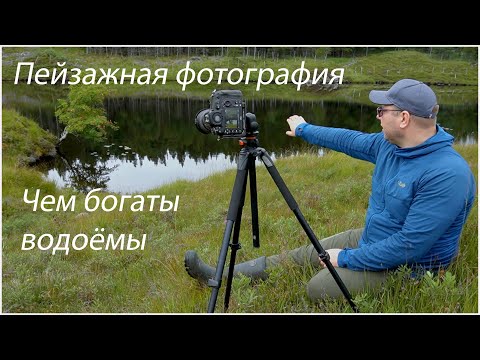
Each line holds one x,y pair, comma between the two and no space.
422,192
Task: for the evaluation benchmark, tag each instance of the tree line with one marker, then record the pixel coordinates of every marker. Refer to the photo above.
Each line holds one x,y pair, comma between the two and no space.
446,53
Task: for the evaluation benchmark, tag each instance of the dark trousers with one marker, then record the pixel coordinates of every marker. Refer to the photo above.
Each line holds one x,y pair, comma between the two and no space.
323,284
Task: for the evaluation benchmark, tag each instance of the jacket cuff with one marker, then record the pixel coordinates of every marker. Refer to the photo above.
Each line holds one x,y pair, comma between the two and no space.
342,258
299,129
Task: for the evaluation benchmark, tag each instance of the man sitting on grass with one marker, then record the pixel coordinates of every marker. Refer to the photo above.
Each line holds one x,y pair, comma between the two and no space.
422,192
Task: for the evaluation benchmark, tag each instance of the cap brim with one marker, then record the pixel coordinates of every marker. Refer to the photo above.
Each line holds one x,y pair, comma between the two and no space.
379,97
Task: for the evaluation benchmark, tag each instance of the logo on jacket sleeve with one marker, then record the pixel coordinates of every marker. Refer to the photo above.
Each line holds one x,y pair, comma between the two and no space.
401,184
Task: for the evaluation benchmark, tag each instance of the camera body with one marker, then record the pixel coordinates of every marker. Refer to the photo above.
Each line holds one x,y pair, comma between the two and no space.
226,115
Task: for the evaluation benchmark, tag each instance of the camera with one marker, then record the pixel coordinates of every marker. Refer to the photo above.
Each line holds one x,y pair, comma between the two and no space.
226,116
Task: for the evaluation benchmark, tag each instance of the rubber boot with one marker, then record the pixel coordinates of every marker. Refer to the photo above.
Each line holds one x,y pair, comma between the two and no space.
196,268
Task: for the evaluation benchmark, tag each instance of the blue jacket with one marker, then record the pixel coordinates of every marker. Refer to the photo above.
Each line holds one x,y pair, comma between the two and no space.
421,197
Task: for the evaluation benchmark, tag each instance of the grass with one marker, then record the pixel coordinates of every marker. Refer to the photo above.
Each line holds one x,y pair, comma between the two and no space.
332,192
23,140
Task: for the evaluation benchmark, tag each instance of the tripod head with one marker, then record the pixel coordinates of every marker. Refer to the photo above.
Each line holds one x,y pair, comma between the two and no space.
251,125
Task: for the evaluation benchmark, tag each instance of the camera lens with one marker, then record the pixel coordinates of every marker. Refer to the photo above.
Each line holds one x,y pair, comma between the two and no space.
200,122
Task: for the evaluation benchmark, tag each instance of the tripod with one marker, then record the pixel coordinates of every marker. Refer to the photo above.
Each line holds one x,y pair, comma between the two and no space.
246,168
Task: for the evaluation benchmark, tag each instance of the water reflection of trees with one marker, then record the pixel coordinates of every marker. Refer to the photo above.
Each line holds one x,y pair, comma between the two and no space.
85,176
79,167
35,102
155,127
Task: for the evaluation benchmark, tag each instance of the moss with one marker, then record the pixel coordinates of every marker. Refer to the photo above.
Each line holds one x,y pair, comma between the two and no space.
24,140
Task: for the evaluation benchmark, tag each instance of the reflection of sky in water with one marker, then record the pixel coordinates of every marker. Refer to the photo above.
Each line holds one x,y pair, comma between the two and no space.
127,178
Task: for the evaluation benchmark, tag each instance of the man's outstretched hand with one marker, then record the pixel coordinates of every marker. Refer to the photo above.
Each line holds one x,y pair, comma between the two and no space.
294,121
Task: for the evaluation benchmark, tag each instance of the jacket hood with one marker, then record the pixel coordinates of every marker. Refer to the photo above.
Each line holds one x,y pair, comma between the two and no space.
439,140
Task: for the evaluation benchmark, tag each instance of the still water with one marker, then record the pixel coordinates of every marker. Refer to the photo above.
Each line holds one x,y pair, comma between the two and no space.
158,143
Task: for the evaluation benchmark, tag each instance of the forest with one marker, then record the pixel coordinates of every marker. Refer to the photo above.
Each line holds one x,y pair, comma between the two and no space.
442,53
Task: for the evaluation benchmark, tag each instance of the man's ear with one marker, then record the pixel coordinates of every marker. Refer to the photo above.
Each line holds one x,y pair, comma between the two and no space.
406,118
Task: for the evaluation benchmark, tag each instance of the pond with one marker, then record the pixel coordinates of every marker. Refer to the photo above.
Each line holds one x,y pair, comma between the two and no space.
157,142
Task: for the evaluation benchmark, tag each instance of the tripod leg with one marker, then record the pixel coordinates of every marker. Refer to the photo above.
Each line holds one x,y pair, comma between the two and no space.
253,201
308,230
236,202
235,245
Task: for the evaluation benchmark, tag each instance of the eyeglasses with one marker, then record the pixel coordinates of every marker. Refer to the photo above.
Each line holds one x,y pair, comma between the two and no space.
381,110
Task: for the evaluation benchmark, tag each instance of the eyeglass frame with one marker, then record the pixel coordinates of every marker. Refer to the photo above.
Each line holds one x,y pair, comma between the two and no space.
381,110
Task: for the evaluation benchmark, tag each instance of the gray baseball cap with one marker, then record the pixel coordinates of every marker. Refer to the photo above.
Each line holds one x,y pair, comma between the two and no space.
407,94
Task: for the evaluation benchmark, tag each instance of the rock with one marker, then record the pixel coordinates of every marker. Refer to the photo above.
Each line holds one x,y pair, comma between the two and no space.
31,160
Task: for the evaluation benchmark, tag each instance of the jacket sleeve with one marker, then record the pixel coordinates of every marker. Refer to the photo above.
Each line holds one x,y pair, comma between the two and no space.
354,143
436,205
